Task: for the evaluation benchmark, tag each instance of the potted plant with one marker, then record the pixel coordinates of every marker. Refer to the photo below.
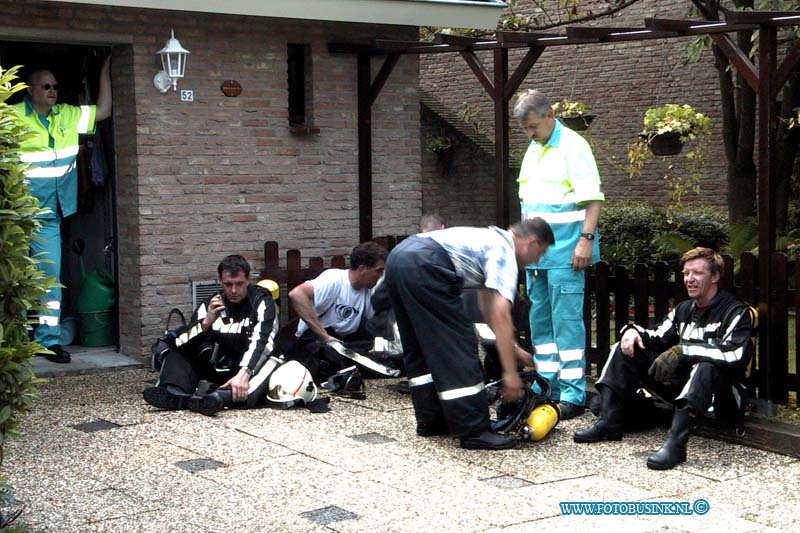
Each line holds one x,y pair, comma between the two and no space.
572,114
439,144
442,146
667,128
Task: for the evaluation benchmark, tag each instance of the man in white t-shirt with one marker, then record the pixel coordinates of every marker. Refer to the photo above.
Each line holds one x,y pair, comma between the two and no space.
335,306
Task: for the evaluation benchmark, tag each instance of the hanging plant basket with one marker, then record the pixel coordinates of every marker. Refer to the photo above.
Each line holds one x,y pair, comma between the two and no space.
664,143
444,154
577,122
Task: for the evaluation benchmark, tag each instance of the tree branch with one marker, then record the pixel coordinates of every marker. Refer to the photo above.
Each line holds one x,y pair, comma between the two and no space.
586,18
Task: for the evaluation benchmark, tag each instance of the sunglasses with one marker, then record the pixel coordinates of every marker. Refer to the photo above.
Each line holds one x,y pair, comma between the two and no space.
47,86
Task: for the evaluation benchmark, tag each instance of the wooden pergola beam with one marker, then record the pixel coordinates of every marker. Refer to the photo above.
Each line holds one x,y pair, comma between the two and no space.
479,70
738,58
694,27
523,68
382,46
523,37
461,40
603,34
764,18
382,76
515,39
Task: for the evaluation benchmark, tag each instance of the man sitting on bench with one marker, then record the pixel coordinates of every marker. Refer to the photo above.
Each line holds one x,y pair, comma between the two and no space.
705,346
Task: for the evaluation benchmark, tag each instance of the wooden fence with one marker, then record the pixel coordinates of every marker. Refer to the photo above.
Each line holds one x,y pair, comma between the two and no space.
618,296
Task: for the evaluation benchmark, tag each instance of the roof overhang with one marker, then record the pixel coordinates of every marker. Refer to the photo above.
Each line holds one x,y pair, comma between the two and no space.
442,13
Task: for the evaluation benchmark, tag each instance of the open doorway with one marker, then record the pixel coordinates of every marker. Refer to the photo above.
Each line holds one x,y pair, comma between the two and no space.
76,69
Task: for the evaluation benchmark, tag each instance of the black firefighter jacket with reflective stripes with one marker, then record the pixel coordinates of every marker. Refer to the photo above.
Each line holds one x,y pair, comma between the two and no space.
249,333
720,334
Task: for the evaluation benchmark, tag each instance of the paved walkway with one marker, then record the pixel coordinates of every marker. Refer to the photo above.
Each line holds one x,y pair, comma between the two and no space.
92,456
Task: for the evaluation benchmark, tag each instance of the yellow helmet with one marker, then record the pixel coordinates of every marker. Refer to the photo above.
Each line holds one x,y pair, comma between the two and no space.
271,287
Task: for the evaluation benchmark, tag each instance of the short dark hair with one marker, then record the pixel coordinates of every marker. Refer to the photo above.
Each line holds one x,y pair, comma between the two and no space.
233,264
536,227
431,220
715,261
367,254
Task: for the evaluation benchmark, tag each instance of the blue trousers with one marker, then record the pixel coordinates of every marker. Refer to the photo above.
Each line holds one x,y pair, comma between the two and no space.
47,246
558,332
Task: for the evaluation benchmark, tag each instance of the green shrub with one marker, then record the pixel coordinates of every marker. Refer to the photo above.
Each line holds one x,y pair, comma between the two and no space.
21,282
704,226
640,233
627,232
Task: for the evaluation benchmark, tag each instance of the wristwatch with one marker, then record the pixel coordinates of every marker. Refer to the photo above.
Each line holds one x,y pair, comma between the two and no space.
249,371
588,236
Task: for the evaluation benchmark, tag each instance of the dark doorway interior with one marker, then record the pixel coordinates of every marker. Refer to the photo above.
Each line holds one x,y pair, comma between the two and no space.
76,68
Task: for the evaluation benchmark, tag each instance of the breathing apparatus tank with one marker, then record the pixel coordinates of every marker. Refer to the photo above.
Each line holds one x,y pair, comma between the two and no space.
533,416
542,419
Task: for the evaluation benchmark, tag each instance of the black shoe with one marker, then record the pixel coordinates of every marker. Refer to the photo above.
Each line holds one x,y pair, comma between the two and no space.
165,399
599,431
432,428
403,387
569,410
488,440
59,355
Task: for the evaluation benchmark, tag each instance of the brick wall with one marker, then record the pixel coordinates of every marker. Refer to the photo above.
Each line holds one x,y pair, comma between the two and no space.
199,180
458,189
618,82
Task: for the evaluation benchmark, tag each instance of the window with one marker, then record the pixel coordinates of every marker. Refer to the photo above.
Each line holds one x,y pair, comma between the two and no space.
300,89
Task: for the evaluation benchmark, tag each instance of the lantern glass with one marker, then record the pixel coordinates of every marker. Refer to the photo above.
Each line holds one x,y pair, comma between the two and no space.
173,58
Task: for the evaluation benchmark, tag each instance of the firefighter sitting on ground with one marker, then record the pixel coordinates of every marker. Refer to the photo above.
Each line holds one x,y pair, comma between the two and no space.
218,360
697,357
334,309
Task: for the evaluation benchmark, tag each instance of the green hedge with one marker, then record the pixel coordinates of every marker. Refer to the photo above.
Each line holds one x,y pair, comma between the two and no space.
640,233
21,282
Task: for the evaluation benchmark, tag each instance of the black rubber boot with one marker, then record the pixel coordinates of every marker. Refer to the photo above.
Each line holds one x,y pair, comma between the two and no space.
608,425
673,451
166,398
211,403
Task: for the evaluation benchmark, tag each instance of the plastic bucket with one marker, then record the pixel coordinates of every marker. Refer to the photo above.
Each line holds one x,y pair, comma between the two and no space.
96,328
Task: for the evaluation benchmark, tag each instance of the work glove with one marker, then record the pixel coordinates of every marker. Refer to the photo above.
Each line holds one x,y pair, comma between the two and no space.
664,366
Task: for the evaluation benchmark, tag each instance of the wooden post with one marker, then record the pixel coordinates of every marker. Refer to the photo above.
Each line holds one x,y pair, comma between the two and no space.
767,138
501,136
364,148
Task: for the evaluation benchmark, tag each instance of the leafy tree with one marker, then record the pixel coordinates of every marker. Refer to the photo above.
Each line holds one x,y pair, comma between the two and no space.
739,121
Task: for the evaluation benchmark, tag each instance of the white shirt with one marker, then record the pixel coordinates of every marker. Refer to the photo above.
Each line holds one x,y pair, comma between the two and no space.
337,304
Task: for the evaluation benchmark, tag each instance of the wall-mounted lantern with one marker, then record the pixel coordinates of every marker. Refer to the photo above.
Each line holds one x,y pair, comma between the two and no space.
173,61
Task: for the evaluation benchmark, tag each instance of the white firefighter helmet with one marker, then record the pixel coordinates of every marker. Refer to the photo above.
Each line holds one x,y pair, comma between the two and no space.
291,384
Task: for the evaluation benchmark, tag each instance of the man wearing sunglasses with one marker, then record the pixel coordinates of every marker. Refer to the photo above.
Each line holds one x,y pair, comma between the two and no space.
51,152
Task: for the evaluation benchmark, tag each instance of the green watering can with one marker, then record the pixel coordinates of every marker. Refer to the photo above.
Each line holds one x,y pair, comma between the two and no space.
97,297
